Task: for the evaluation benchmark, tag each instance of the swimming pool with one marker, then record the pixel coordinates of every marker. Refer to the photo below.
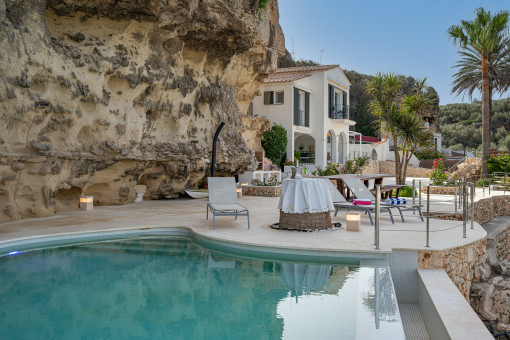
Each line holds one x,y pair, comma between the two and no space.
172,288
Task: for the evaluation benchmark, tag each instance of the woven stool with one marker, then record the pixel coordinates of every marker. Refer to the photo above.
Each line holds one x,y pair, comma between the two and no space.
305,221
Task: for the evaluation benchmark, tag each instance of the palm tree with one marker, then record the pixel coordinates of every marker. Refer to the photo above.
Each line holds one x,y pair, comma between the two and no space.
484,35
399,116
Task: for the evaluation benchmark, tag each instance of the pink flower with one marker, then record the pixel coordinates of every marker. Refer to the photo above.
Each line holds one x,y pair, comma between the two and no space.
441,159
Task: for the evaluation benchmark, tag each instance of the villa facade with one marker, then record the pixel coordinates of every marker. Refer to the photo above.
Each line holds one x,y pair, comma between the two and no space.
312,104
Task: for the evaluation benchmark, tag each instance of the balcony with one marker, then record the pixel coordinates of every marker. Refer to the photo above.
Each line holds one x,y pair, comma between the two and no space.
307,157
339,112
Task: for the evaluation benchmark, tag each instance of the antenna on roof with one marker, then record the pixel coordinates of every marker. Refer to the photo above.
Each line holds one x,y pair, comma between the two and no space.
320,60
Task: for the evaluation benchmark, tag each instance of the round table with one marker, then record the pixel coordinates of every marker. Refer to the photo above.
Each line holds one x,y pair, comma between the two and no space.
305,204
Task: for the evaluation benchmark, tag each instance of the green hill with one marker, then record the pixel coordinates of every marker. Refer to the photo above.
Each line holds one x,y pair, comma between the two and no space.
460,125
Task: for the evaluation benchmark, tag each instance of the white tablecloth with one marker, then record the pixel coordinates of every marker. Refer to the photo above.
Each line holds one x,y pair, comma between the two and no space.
309,195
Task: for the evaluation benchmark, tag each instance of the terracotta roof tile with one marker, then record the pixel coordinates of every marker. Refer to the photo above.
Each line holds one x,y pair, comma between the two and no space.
284,78
300,69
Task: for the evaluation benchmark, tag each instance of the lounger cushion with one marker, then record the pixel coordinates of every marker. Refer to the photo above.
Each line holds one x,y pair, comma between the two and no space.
361,202
395,201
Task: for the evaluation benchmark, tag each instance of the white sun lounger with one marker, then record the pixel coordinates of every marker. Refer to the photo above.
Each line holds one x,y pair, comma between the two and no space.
359,190
223,199
340,202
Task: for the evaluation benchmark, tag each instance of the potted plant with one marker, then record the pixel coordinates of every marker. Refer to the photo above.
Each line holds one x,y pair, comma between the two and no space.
287,166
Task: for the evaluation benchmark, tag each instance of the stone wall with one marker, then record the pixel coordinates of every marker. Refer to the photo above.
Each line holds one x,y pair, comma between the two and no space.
265,191
503,246
469,264
485,209
461,264
386,167
99,96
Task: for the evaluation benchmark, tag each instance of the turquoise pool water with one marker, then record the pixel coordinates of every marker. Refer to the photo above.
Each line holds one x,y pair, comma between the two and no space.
171,288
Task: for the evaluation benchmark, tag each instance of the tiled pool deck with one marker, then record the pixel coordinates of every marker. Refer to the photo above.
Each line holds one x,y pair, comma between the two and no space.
263,212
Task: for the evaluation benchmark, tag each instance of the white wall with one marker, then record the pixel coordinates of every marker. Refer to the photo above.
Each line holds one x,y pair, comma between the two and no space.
320,124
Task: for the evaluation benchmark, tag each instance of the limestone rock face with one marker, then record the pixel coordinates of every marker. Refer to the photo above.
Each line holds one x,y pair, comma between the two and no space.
98,96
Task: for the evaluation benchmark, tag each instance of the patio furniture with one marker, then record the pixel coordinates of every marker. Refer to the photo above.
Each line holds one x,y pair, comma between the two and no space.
377,178
359,190
340,202
305,204
223,199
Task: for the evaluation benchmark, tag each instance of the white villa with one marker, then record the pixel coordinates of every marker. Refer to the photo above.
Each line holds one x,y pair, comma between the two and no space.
312,104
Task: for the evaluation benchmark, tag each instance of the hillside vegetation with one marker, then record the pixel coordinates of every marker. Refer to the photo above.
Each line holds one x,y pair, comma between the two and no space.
460,125
359,101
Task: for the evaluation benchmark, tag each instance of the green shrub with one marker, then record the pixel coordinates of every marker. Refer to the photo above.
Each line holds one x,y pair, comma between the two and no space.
428,153
350,167
330,170
439,175
481,183
499,164
406,191
274,143
361,162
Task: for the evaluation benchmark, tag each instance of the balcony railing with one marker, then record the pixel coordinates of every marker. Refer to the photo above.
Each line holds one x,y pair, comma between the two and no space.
307,157
339,112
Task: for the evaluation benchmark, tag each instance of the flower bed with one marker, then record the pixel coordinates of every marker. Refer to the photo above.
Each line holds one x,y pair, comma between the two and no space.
265,191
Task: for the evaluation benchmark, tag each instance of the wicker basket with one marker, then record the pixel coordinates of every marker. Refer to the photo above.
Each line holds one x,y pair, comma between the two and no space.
305,221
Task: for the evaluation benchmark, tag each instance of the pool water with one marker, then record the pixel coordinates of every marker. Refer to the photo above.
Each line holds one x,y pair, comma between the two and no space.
171,288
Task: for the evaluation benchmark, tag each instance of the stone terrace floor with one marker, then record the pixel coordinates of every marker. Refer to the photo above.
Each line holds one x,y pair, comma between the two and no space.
263,212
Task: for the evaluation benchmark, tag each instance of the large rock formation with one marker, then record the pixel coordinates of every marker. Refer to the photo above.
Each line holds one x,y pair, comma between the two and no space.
97,96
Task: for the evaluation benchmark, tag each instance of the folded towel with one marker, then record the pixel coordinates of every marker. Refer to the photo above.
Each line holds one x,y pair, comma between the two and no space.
395,201
361,202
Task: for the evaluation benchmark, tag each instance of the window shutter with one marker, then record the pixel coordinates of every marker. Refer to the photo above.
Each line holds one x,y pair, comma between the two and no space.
296,106
331,97
344,107
307,109
267,96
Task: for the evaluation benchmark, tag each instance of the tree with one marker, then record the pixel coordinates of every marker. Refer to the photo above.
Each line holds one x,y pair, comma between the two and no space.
483,35
399,116
303,62
274,143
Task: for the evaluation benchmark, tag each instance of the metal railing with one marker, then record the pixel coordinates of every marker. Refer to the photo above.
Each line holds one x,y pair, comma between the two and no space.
464,201
339,112
307,157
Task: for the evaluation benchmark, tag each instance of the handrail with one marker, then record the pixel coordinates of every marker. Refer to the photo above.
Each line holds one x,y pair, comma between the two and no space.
456,164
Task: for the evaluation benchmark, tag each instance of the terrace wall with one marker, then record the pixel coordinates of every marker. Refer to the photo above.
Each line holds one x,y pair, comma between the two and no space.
386,167
468,264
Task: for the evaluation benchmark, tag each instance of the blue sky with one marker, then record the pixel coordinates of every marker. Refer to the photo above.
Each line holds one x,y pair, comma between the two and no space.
369,36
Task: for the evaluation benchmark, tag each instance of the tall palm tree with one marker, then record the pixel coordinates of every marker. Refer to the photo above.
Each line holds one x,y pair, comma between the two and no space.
469,78
483,35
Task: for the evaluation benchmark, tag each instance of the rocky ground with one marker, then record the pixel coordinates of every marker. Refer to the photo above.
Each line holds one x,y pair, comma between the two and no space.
98,96
491,296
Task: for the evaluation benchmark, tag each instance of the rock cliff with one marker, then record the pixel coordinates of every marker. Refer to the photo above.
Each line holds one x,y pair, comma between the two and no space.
98,96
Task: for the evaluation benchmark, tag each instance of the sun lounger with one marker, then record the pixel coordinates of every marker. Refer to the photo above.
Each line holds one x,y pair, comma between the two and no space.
340,202
223,199
359,190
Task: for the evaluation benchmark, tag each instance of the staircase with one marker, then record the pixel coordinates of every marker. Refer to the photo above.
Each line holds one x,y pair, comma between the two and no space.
470,168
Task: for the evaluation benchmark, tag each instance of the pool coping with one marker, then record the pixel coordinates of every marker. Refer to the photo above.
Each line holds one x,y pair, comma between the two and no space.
215,243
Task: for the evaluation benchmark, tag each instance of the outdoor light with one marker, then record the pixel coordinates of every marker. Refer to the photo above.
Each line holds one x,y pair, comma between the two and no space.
244,183
353,221
86,202
239,192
